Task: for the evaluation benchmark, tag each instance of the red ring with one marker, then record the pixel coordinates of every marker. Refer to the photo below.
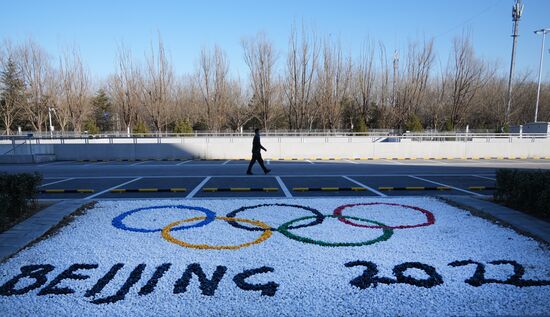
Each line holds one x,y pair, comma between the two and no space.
430,219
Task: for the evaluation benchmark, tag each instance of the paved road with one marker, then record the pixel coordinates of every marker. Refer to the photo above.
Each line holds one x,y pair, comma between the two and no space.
217,179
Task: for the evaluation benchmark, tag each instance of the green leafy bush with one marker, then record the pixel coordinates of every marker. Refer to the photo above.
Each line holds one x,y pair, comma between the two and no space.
528,191
183,126
361,126
91,127
17,191
140,128
413,124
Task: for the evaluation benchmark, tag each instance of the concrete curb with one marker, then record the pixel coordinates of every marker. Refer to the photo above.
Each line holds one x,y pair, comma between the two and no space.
19,236
519,221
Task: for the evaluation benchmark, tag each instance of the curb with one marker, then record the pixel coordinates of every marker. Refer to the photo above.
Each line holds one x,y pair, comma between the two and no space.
416,188
329,189
65,191
239,189
148,190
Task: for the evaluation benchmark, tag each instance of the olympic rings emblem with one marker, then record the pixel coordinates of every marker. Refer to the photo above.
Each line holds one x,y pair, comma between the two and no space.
266,230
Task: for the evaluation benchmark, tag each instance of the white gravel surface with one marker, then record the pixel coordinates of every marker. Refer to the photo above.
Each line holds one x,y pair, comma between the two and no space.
311,280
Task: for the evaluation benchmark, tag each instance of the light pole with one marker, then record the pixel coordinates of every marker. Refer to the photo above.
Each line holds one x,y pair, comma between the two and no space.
50,109
543,32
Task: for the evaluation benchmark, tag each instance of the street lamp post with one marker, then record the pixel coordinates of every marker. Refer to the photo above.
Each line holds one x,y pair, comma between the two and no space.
50,109
543,32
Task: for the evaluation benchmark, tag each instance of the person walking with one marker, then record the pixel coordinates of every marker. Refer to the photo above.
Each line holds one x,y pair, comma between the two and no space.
256,153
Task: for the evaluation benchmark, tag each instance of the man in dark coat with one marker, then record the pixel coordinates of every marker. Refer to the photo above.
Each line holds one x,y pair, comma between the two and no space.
256,153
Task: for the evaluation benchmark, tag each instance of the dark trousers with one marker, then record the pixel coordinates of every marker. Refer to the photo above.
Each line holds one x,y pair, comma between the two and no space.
256,157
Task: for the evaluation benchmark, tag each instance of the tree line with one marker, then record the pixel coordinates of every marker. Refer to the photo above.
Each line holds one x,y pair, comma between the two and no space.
316,84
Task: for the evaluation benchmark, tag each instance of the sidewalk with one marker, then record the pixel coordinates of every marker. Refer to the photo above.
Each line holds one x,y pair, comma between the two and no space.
34,227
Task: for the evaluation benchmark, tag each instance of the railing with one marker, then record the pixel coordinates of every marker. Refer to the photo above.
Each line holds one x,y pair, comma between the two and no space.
326,137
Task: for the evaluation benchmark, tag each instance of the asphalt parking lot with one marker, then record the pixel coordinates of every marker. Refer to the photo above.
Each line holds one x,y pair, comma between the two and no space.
199,179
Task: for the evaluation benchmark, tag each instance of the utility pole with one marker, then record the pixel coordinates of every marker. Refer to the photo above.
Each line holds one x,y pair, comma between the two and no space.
543,32
517,10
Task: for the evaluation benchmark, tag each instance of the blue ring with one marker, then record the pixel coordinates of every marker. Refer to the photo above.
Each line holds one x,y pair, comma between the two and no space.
117,221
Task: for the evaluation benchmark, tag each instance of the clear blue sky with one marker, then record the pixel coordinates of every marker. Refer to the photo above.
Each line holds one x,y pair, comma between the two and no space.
98,26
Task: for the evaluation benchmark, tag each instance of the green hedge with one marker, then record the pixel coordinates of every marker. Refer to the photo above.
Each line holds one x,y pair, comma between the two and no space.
528,191
17,191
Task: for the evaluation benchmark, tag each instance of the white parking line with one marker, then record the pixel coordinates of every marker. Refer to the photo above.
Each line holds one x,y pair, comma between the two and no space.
283,187
484,177
310,162
184,162
199,186
365,186
226,162
352,162
56,182
441,184
114,187
138,163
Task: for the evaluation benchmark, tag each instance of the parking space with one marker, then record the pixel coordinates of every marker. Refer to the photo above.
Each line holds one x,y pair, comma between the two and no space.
325,178
52,180
159,162
466,182
155,187
237,187
206,162
385,183
236,162
322,186
118,163
288,162
95,184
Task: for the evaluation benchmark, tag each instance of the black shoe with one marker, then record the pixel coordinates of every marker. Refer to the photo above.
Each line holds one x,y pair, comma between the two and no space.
249,173
267,171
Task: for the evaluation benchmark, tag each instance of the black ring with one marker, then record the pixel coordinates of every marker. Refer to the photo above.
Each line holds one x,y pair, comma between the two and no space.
319,217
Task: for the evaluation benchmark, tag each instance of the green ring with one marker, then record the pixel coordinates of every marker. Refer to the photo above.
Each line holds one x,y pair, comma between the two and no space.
284,230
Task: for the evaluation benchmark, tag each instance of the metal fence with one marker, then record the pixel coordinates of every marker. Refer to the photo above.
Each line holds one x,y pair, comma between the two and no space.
326,137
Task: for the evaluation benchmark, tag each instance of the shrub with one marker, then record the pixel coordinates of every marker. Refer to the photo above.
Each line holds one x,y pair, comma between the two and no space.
91,127
413,124
140,128
361,126
16,192
527,191
183,126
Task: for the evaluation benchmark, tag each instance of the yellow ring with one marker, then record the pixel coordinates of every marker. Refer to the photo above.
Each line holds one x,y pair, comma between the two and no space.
265,235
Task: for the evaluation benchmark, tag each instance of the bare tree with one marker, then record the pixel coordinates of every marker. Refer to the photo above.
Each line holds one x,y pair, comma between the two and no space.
334,76
158,88
123,88
466,76
34,63
412,87
298,86
75,90
238,112
382,86
363,83
260,58
213,81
